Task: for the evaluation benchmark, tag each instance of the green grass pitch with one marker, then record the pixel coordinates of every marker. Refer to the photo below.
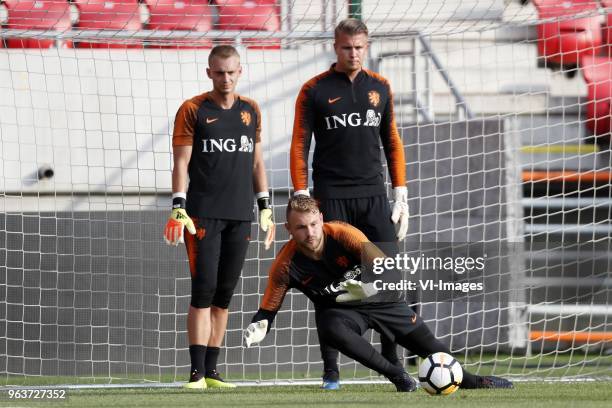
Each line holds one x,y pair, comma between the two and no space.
526,394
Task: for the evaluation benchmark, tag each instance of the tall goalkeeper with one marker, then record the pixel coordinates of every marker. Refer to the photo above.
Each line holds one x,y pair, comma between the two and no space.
350,111
217,144
308,262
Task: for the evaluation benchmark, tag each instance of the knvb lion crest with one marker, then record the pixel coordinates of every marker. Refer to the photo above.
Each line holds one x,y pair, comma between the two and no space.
246,118
374,98
342,261
200,233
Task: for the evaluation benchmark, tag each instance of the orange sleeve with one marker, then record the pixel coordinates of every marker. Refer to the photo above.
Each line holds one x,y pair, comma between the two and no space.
255,107
184,124
354,241
391,140
278,279
303,124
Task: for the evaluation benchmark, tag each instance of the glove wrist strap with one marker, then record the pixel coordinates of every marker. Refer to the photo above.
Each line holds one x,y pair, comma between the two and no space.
179,202
263,201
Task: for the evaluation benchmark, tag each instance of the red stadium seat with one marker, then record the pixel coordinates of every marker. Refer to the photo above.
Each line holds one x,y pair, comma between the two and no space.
186,15
597,72
45,15
250,15
607,27
564,42
108,15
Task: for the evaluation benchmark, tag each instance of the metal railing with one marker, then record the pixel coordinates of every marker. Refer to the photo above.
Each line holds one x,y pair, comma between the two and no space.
421,95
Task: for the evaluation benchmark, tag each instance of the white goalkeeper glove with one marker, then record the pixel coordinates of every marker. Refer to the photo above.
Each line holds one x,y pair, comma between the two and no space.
178,221
400,212
255,332
265,218
356,290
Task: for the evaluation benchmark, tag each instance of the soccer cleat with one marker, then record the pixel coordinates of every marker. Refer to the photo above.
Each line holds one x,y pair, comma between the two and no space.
196,381
214,380
490,381
404,382
331,380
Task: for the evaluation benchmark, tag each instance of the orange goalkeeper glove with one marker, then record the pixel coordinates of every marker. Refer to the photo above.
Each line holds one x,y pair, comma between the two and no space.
177,222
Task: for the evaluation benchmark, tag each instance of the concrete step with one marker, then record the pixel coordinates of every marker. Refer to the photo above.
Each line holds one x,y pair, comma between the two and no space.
501,104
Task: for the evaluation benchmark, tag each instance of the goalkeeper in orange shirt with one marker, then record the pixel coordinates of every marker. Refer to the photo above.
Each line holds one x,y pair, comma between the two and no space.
217,144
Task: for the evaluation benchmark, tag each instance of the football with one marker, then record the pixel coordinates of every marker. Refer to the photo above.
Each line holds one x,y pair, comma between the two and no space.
440,374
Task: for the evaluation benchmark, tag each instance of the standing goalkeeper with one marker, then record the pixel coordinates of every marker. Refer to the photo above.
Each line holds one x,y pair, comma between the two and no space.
350,111
216,143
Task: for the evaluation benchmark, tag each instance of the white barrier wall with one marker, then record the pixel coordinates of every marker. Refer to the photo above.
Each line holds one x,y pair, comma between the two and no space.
103,119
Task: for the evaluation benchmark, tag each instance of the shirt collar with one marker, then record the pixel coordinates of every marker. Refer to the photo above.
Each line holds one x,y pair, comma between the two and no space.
361,73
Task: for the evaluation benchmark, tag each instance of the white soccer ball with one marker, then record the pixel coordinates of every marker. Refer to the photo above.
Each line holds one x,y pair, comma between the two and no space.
440,374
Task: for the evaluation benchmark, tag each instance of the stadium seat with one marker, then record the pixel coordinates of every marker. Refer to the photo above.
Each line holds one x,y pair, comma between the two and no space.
606,32
597,72
37,15
185,15
563,43
250,15
108,15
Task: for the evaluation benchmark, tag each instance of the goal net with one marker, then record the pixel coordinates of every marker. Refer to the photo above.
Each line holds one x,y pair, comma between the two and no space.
505,144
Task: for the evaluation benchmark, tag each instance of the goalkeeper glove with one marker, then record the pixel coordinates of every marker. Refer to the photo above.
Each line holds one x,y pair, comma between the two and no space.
265,218
255,332
401,212
356,290
178,221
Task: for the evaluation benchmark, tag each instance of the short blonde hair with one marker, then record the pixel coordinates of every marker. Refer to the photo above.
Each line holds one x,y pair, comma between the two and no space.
223,51
302,204
351,26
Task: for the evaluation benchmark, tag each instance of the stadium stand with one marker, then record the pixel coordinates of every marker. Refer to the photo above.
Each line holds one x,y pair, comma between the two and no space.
597,72
184,15
108,15
37,15
250,15
561,43
606,33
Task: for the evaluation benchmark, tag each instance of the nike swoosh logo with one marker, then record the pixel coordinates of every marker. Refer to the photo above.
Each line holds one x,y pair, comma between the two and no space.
413,319
307,280
330,100
209,120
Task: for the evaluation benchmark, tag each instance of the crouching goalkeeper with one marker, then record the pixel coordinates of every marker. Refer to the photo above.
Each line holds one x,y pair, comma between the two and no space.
320,261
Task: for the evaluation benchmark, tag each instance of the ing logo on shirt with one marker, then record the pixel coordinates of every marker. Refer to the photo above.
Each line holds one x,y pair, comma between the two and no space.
374,98
372,118
227,145
353,119
246,144
245,117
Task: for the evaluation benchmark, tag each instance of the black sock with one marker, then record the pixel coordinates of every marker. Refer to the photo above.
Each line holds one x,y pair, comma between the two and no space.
329,355
198,357
212,354
389,350
352,345
422,342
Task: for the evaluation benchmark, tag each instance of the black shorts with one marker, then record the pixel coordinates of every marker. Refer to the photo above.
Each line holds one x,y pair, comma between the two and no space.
393,320
371,215
216,256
